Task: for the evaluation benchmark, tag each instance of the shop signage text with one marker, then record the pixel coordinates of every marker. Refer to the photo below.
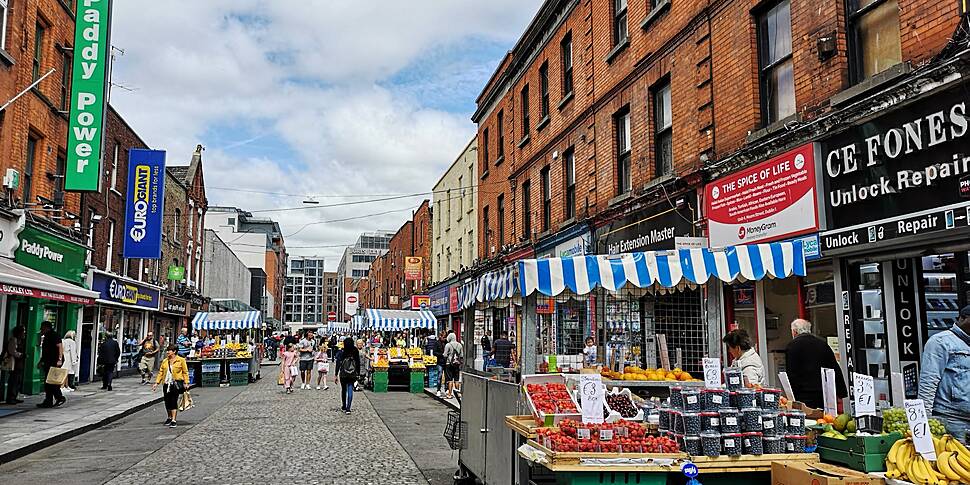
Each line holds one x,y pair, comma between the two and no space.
914,225
545,306
178,307
51,254
769,201
651,229
41,251
145,204
84,139
440,300
420,302
412,268
453,299
46,295
125,292
907,326
351,303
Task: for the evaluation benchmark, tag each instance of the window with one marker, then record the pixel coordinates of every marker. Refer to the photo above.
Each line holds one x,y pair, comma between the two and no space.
486,230
459,248
624,179
569,167
65,79
28,178
175,226
471,250
619,22
461,187
485,150
111,245
3,24
39,31
525,111
662,138
544,90
874,35
501,137
114,166
777,78
566,48
500,212
546,199
527,209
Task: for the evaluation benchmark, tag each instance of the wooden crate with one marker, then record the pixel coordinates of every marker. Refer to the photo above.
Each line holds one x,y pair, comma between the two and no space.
523,425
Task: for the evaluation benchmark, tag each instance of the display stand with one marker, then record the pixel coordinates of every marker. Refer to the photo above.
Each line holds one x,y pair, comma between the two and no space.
238,371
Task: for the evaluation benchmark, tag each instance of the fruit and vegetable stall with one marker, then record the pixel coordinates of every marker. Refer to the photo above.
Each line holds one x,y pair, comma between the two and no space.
401,369
228,360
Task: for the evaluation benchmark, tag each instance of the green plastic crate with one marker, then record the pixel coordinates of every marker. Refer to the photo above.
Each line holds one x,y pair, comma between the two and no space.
380,381
861,445
612,478
417,382
872,462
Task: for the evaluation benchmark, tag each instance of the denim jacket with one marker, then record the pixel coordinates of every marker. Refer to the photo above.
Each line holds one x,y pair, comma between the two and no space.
944,380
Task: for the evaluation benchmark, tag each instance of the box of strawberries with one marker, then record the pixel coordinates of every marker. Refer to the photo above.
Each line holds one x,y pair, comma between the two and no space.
549,399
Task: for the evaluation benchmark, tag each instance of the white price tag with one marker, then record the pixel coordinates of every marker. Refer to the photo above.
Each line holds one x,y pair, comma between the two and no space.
920,427
865,399
712,372
582,433
591,394
828,392
664,355
729,442
730,421
717,399
786,385
606,435
691,399
769,424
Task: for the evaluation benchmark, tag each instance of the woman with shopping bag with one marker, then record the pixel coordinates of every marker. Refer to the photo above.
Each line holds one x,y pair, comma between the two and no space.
174,375
288,362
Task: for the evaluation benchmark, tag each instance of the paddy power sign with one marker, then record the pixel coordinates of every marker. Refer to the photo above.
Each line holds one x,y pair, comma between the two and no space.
88,94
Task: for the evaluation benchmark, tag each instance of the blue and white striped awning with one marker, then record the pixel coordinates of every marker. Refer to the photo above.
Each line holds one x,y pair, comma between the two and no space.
226,320
492,286
394,320
664,269
357,322
338,327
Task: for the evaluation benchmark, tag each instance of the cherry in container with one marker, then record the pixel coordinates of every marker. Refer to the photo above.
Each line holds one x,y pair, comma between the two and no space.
768,398
692,400
731,444
710,421
730,420
692,445
774,445
711,444
714,399
732,376
751,420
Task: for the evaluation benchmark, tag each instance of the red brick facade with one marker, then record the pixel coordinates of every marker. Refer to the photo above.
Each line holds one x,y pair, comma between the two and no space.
709,53
387,286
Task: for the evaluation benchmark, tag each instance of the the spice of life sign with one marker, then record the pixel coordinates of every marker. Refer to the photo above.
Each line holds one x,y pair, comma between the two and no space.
84,139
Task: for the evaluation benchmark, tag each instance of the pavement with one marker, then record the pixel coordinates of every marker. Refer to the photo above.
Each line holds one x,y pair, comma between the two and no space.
28,428
418,423
450,403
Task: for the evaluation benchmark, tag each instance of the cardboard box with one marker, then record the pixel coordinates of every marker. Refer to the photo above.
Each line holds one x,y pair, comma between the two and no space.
810,412
798,473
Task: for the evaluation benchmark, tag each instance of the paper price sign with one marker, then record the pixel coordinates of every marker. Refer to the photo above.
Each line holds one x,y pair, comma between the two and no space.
920,427
865,399
828,392
712,372
591,392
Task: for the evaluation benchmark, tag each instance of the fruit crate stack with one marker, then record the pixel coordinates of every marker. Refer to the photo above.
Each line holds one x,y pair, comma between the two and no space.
239,373
732,420
211,372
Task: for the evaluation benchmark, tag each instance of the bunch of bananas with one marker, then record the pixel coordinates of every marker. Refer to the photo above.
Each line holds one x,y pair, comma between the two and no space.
952,462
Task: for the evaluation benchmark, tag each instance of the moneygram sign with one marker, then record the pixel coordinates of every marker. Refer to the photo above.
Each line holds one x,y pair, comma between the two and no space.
145,204
769,201
88,82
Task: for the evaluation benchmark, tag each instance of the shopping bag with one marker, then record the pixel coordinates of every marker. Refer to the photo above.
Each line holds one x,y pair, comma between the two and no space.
279,379
185,401
294,371
56,376
322,367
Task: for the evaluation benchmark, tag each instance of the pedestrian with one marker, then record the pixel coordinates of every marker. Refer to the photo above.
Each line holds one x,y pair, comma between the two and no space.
72,360
173,373
348,369
399,341
502,352
51,355
288,362
363,369
332,346
589,352
944,380
454,356
487,343
306,360
805,356
13,363
322,362
184,343
108,354
745,357
290,339
148,350
439,354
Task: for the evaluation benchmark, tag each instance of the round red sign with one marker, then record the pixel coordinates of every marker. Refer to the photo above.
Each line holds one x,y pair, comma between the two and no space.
332,316
351,299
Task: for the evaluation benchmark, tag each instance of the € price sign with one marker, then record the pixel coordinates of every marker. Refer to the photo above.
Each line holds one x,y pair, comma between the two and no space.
591,392
712,372
920,427
865,401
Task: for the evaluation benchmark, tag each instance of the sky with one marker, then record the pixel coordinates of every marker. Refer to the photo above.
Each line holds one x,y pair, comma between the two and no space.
335,100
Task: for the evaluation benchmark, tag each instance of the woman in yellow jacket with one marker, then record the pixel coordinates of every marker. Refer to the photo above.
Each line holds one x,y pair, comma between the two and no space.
173,373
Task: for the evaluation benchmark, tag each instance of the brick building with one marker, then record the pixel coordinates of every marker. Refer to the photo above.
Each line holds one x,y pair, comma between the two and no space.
387,286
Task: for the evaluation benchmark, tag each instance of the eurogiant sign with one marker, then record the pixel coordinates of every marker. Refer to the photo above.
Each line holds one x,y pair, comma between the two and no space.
88,82
125,292
145,204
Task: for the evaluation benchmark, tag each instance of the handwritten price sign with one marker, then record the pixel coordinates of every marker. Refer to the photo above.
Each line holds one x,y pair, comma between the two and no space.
920,427
712,372
865,400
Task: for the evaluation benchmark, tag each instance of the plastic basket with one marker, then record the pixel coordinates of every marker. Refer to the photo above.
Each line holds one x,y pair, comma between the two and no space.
456,431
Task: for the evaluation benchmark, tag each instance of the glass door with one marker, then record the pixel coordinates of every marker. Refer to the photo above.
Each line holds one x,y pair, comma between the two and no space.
869,319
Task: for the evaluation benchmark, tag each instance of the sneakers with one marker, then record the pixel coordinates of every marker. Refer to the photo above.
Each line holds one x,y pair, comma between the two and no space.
318,388
172,424
346,411
439,392
168,421
325,387
59,402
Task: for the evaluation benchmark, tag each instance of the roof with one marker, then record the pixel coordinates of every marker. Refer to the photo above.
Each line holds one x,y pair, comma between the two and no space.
180,173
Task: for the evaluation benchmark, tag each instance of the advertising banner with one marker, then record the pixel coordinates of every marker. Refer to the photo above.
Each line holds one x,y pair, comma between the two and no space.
351,303
453,299
412,268
16,290
650,229
176,273
900,175
145,204
125,292
439,300
51,254
420,302
88,94
175,306
769,201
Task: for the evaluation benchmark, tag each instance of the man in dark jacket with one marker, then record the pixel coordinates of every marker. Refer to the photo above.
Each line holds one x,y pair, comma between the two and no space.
51,355
502,352
487,343
805,357
108,354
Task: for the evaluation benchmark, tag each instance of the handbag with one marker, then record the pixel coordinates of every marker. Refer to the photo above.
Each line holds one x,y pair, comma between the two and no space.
7,362
185,402
177,387
279,379
294,371
56,376
322,367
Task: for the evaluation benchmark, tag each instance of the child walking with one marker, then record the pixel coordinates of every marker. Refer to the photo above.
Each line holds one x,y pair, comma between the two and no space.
288,361
322,361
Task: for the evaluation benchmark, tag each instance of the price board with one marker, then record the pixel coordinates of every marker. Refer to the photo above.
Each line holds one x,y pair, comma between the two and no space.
712,372
664,354
828,392
591,391
864,395
919,426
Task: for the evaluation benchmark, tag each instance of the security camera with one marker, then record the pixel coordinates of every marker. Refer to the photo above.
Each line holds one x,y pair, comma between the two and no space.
95,218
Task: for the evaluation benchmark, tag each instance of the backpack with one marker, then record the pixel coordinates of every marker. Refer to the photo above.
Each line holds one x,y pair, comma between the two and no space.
348,368
456,358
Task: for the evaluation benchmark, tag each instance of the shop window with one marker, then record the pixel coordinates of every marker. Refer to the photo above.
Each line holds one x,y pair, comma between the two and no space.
485,159
500,212
870,330
28,177
777,77
571,325
500,127
544,91
526,126
874,33
546,199
741,309
526,209
781,306
945,284
131,335
569,168
819,294
566,48
40,30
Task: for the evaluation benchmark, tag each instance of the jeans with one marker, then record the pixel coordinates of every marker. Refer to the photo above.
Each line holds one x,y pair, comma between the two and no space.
346,394
15,380
107,374
960,429
52,392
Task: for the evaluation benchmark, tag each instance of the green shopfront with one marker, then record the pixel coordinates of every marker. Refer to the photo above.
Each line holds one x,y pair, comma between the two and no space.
43,282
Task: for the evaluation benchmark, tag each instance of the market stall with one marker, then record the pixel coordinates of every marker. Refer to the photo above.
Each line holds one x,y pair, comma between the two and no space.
229,358
397,367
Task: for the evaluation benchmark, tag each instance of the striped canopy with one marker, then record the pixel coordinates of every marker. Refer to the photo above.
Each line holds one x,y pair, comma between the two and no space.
663,269
338,326
357,323
492,286
226,320
393,320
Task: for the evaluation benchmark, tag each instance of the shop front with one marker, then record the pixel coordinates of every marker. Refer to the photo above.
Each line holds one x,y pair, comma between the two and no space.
440,296
489,303
125,309
172,317
42,283
897,206
774,200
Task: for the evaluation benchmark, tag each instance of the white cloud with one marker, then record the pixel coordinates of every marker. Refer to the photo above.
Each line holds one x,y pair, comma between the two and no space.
310,79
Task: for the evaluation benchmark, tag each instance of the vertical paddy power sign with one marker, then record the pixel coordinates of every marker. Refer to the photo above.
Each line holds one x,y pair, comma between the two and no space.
88,83
145,205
